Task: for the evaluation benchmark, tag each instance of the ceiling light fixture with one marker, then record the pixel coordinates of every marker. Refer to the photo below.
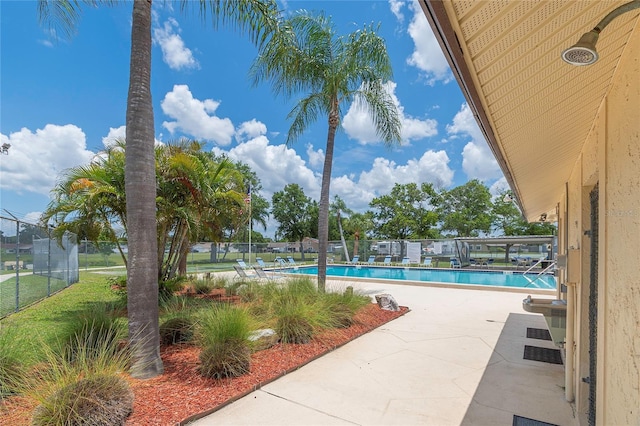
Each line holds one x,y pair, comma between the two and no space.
584,51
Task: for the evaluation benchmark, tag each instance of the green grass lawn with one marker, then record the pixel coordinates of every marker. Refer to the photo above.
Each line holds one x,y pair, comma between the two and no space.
41,321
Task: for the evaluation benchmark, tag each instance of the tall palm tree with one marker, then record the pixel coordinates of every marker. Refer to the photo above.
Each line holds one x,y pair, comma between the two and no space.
306,55
257,18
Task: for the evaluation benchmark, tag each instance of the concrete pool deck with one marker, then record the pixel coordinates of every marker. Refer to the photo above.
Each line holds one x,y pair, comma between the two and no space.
455,359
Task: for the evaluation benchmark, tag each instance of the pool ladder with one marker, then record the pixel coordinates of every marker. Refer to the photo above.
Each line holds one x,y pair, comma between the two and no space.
552,265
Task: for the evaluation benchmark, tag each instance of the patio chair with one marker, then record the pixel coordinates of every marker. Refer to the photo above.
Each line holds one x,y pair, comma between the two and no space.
372,260
387,260
260,262
262,274
426,262
405,261
242,264
242,274
281,262
291,261
354,260
455,263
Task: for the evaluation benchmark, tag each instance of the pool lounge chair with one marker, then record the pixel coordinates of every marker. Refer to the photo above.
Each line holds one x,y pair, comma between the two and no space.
291,261
260,262
387,260
242,274
281,262
242,264
426,262
455,263
355,260
262,274
405,261
372,260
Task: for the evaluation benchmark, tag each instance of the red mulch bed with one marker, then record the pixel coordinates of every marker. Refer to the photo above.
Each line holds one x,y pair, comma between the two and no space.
181,392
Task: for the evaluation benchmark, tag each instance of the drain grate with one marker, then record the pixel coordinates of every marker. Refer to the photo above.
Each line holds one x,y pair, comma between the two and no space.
536,353
525,421
538,333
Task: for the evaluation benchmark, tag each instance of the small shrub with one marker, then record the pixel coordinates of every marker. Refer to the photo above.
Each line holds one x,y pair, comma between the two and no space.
223,334
294,322
229,359
296,309
203,286
176,330
118,285
342,307
85,390
96,401
172,285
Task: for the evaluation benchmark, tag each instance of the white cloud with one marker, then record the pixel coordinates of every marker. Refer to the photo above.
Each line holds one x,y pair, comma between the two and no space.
193,116
279,165
37,158
478,161
174,52
396,6
120,133
113,135
250,129
358,124
316,158
427,55
499,187
275,165
432,167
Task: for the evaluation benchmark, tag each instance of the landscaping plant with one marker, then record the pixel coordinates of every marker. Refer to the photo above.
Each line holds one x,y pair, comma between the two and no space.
223,334
87,388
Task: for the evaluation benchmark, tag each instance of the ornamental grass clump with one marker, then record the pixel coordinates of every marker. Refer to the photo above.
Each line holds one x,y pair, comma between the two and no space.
88,388
342,306
91,332
223,333
14,356
297,309
177,329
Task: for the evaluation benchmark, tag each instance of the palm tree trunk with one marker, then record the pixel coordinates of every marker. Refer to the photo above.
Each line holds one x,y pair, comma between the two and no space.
323,209
140,190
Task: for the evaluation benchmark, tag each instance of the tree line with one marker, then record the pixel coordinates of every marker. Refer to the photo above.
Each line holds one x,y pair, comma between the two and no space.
409,211
203,197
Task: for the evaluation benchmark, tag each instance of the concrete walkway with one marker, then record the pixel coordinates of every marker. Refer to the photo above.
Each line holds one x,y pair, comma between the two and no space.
455,359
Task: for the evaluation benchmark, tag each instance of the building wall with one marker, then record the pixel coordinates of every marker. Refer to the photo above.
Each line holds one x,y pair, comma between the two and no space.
620,232
611,158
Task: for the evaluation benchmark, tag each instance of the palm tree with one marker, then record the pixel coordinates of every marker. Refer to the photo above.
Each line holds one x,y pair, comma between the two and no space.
306,55
258,18
89,200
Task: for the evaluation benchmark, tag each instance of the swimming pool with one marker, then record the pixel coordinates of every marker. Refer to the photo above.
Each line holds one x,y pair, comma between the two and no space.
486,278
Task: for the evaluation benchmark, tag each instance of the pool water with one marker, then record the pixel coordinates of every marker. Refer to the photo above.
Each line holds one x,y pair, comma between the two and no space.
488,278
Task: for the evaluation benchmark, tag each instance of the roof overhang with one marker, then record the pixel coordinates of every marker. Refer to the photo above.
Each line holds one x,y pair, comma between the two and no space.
535,111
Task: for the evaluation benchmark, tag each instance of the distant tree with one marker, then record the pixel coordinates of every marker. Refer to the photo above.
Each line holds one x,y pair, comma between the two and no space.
359,226
290,208
466,209
509,221
405,213
306,55
195,196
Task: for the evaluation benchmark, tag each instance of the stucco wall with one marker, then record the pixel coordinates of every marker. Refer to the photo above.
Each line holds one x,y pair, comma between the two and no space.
611,156
619,285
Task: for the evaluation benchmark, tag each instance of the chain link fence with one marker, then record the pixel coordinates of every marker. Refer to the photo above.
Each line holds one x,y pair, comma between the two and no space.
33,265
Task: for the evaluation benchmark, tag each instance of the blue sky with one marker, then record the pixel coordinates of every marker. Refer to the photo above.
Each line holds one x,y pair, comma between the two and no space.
63,99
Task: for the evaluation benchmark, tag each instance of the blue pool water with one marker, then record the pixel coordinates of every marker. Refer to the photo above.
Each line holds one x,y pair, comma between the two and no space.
489,278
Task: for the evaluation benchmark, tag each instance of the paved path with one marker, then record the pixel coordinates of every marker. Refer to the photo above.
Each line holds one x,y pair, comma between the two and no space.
455,359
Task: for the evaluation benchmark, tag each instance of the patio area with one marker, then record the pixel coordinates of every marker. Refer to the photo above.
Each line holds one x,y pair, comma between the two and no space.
457,358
